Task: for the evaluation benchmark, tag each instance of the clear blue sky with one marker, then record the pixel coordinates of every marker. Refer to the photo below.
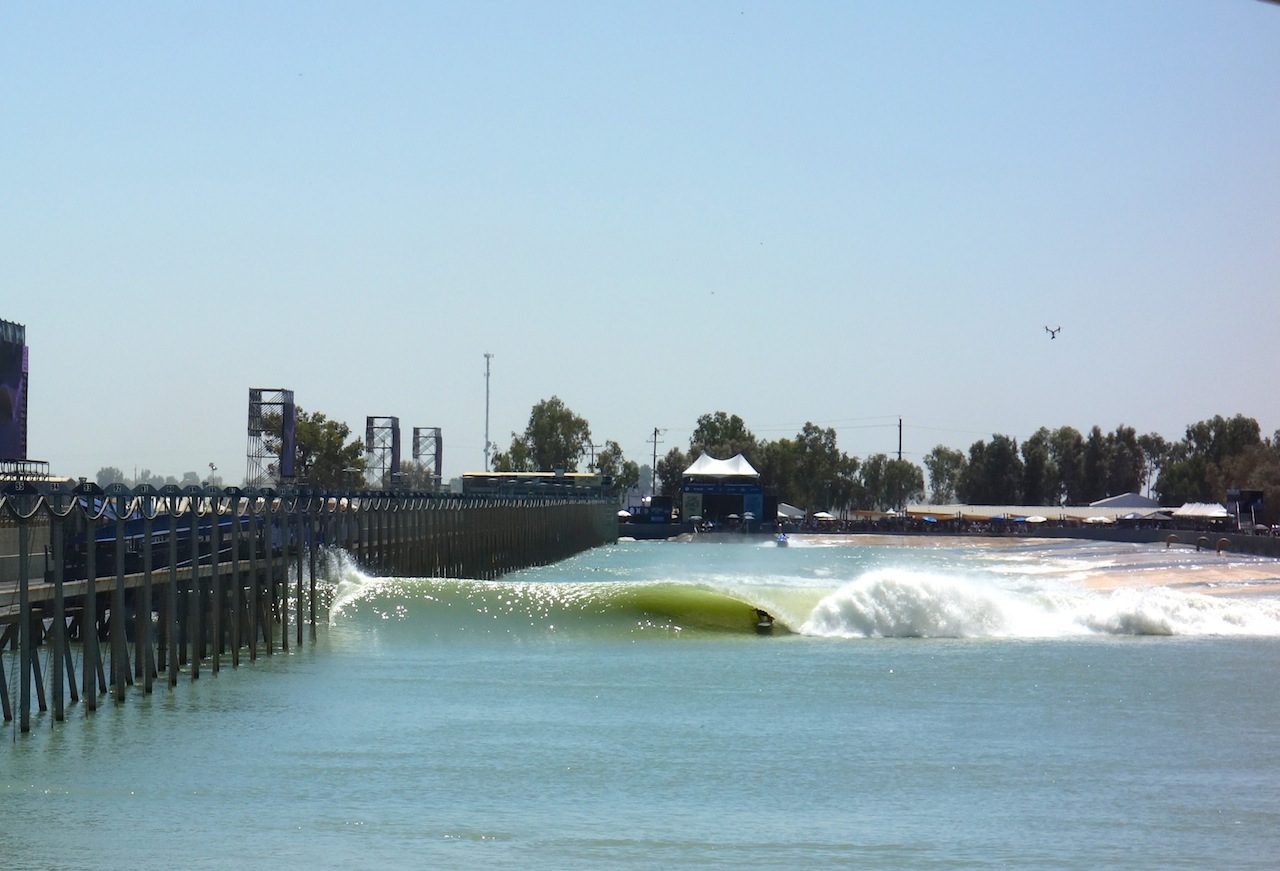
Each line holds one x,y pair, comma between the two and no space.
831,212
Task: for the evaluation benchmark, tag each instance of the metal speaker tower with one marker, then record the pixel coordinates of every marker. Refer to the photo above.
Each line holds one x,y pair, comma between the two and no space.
382,452
428,451
272,426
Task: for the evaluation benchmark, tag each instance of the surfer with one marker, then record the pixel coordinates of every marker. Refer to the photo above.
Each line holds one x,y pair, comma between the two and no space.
764,622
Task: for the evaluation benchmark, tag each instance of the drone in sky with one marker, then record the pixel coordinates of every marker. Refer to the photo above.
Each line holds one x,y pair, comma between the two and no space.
1053,331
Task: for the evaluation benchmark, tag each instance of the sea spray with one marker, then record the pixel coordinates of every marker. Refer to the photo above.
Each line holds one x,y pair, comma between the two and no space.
1161,611
895,603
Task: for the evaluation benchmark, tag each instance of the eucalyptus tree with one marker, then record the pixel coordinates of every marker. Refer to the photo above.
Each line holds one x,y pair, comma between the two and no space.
778,467
612,464
723,436
822,472
670,471
873,476
946,466
889,484
904,483
554,438
324,454
1155,453
1040,482
1097,459
1257,467
1199,467
1125,461
109,475
1066,449
993,475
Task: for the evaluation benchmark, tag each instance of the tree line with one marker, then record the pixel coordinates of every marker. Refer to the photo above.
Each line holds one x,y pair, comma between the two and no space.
1051,467
1064,467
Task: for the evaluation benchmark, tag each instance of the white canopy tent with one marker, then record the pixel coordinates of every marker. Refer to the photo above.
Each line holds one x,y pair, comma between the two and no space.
1202,510
707,466
789,512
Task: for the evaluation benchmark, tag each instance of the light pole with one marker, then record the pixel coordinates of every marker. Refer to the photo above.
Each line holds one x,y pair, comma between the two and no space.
654,474
487,443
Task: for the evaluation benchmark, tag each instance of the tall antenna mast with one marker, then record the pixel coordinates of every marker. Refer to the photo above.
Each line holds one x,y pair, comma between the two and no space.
487,443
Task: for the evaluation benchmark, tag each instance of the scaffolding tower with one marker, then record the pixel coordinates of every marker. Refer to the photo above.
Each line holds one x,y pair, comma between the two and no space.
382,452
428,453
272,422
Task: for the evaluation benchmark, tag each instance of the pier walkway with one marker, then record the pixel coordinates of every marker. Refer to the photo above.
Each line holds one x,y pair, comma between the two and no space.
147,584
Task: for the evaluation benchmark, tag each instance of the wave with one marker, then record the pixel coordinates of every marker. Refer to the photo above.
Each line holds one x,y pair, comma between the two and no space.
447,607
886,602
902,604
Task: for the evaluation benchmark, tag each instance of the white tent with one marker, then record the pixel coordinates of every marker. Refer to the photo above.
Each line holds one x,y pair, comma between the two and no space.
1202,510
1125,500
789,512
707,466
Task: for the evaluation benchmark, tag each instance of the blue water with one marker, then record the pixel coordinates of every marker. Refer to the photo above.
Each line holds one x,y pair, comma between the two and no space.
945,705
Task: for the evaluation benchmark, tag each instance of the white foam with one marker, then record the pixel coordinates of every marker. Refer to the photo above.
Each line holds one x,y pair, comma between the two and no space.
348,582
909,604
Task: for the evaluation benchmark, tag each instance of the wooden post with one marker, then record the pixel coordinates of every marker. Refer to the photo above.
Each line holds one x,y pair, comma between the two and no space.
119,644
252,607
194,635
215,585
89,616
24,626
143,657
298,517
313,527
283,519
237,582
171,596
57,542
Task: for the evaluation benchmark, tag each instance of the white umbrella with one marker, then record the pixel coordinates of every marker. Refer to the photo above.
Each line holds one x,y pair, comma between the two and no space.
1036,518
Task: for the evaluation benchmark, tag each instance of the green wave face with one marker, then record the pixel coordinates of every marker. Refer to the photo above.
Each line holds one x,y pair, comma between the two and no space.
435,607
1014,590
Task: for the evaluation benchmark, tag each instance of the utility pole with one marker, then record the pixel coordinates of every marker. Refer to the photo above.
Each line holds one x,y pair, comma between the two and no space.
487,443
654,469
899,439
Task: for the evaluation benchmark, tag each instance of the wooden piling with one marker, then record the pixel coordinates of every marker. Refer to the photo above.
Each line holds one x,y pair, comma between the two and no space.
251,561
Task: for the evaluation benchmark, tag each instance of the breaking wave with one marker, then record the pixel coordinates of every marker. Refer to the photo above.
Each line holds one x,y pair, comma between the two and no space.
887,602
904,604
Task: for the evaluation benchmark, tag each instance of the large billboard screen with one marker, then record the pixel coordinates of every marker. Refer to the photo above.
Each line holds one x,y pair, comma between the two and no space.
13,391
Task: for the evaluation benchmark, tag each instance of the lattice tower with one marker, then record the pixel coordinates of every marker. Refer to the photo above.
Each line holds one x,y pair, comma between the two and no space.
428,451
272,416
381,452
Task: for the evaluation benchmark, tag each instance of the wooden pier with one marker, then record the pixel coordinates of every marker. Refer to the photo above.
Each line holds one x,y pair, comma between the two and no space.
150,584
